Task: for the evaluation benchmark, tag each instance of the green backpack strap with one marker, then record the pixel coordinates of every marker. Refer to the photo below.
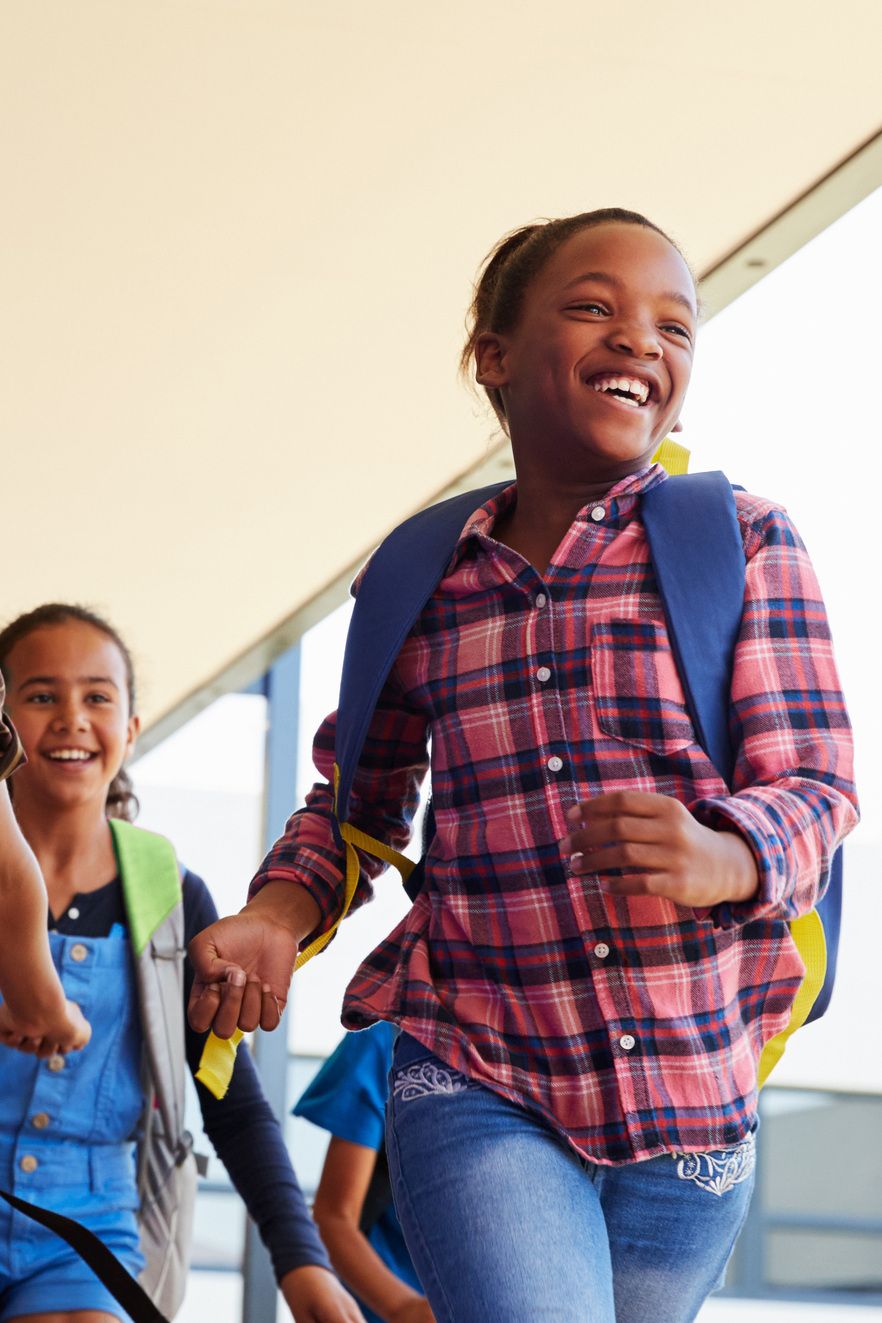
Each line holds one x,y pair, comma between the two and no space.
151,879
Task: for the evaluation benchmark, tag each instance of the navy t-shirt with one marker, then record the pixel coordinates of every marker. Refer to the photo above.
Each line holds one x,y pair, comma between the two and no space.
348,1098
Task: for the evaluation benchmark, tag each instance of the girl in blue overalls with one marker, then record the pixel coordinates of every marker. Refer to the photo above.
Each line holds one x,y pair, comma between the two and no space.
67,1124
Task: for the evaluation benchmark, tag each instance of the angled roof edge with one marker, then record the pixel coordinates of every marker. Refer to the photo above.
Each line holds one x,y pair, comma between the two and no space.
819,206
813,211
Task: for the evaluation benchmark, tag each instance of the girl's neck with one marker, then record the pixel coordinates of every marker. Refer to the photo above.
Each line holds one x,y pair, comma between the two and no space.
544,512
73,846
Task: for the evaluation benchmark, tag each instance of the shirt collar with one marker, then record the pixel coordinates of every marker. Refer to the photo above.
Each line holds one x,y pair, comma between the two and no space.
619,504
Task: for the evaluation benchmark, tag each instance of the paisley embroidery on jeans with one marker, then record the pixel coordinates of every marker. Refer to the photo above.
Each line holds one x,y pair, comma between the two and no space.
425,1077
721,1169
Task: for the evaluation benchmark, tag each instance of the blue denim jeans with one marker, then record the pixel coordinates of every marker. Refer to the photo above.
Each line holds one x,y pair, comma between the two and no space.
506,1223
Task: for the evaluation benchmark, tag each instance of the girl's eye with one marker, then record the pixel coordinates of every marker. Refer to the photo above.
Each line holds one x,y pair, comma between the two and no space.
39,699
98,698
676,329
595,308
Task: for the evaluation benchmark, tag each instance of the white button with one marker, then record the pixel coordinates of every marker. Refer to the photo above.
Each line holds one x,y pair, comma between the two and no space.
543,674
554,763
56,1062
73,912
627,1041
601,950
598,513
29,1163
541,600
79,952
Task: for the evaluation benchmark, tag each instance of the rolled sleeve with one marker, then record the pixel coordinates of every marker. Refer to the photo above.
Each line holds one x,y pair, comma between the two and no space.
383,800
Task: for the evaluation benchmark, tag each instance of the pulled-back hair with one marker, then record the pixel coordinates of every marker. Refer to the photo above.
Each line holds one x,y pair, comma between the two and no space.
511,266
122,802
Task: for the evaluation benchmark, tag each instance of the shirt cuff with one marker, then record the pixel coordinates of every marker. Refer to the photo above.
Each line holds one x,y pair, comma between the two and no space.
737,815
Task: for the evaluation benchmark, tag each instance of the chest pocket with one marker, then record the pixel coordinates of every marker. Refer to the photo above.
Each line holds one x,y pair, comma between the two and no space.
638,697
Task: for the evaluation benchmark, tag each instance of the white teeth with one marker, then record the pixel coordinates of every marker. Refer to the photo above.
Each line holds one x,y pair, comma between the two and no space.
633,386
70,755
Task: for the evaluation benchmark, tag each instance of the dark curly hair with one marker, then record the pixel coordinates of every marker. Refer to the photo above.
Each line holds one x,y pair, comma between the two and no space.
122,802
514,262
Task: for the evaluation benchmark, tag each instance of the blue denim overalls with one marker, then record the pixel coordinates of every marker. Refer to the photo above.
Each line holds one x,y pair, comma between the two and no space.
67,1123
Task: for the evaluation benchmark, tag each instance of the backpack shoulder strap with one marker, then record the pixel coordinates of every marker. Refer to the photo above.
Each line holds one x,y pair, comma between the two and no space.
401,577
151,883
150,876
698,557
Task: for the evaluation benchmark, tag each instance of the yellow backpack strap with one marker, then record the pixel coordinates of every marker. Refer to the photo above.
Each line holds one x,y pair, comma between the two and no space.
808,933
673,457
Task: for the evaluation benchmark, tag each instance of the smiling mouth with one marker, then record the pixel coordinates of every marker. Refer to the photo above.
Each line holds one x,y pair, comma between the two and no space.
629,390
77,756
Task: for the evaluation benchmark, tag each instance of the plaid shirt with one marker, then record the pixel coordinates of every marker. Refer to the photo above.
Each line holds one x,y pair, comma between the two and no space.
631,1024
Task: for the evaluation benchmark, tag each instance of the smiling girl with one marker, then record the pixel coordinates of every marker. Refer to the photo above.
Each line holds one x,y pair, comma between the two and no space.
600,949
68,1125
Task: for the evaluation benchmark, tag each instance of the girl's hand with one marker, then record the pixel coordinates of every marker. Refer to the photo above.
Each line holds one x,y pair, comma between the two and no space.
662,848
314,1295
243,964
68,1031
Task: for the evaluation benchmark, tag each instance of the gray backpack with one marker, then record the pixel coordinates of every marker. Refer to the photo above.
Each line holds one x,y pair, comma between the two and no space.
167,1167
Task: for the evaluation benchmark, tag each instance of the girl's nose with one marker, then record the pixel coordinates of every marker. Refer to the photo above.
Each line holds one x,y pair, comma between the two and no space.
635,340
70,716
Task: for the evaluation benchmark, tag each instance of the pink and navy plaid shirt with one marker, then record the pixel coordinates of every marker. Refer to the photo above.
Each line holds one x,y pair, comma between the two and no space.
631,1024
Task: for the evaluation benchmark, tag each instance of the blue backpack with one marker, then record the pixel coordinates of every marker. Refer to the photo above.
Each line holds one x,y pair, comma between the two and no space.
698,557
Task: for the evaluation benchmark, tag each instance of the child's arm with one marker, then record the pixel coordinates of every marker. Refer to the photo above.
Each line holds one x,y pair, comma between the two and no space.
35,1016
244,963
338,1206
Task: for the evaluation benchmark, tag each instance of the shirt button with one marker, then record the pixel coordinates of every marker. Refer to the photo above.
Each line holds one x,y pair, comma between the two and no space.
601,950
554,763
541,600
79,952
543,674
627,1041
29,1163
40,1120
598,513
56,1062
73,912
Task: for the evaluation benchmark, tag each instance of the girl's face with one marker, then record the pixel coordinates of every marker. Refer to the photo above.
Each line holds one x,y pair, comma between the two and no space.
594,374
68,696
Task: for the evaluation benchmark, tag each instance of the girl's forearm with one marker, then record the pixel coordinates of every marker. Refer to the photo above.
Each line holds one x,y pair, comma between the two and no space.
30,986
360,1266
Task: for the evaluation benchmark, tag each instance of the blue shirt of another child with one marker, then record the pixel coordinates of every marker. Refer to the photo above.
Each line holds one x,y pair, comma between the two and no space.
348,1098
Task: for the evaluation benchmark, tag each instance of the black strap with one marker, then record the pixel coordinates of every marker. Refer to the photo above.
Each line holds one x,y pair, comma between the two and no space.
122,1286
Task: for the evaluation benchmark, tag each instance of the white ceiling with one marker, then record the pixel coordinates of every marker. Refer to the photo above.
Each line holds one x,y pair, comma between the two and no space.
239,237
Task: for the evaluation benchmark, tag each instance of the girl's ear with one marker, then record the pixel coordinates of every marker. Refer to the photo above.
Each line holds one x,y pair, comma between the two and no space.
490,360
132,733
